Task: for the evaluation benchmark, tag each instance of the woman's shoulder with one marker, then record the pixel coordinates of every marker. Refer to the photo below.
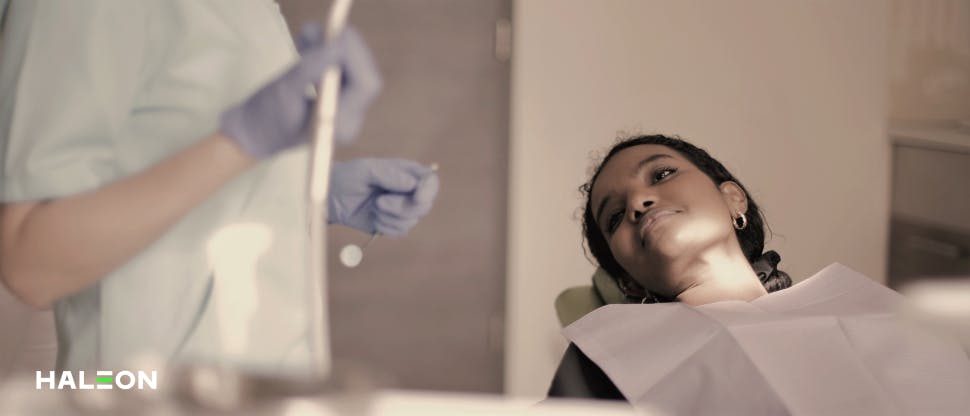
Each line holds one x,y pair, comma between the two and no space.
836,289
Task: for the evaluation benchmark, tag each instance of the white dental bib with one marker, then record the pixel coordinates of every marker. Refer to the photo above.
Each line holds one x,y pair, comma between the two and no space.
832,344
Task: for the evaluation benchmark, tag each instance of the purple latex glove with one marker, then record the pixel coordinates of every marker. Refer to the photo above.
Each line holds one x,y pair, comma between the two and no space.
278,116
386,196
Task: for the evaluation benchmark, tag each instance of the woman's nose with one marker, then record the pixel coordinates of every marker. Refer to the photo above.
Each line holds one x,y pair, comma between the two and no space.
638,207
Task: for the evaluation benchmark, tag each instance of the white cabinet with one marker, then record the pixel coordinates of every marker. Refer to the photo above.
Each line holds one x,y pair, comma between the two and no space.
930,221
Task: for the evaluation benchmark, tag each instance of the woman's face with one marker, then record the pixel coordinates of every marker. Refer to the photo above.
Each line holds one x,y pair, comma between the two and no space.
659,213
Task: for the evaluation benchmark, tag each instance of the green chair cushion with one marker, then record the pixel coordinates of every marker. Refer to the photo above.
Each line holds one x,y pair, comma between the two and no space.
575,302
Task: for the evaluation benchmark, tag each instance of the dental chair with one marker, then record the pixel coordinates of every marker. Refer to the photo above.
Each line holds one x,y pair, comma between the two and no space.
577,376
576,301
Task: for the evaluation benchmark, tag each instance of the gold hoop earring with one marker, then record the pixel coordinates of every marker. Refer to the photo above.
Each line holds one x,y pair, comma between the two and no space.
744,221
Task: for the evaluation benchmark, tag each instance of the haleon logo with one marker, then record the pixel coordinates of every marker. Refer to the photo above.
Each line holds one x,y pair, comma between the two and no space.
104,380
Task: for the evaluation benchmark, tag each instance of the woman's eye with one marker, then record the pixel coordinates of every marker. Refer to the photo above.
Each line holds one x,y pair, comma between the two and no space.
614,221
662,173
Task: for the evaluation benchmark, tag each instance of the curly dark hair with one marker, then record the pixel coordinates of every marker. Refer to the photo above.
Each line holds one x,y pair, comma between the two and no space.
751,238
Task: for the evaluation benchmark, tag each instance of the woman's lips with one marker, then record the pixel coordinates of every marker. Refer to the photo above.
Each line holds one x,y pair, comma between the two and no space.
651,219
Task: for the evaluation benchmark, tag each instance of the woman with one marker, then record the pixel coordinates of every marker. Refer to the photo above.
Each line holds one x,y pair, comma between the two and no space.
674,228
154,173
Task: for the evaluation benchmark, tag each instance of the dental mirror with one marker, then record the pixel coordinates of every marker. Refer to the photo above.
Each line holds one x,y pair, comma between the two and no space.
352,254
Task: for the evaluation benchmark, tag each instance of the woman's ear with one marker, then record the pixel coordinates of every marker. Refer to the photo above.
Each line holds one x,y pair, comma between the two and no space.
734,197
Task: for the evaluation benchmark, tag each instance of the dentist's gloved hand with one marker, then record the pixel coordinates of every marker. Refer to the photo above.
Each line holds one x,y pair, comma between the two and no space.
386,196
278,116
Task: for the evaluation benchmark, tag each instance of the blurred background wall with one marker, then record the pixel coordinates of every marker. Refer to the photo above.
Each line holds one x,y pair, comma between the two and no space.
930,60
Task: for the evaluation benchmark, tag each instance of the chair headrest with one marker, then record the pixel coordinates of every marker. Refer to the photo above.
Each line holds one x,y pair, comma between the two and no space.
607,288
576,301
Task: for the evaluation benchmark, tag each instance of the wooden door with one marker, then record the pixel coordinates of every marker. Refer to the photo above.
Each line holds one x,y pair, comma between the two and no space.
427,311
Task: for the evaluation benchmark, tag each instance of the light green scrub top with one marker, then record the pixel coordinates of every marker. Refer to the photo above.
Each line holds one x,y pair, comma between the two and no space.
97,90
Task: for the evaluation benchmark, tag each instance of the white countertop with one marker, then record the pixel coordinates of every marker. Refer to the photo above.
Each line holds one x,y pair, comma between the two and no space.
20,397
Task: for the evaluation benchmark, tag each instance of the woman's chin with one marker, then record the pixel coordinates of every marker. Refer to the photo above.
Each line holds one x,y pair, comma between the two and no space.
678,243
667,239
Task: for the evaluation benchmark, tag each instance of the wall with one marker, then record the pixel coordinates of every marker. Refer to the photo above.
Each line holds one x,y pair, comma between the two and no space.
791,96
930,59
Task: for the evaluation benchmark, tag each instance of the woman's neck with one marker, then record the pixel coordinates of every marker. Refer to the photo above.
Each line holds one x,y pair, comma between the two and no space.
718,276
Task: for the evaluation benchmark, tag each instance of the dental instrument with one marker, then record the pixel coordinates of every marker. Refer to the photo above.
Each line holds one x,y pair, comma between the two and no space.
321,159
351,255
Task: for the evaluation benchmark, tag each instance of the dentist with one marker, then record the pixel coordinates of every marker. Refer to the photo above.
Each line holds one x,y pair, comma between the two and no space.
144,143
